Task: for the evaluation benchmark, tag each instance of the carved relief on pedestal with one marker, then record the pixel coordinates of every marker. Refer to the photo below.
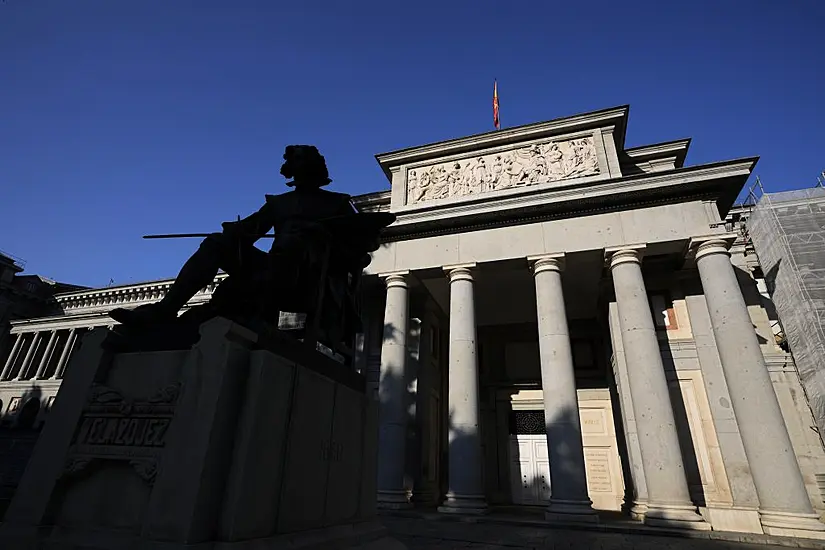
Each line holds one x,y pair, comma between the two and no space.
530,165
113,428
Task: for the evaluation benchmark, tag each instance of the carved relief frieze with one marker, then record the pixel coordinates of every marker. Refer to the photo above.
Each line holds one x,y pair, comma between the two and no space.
531,165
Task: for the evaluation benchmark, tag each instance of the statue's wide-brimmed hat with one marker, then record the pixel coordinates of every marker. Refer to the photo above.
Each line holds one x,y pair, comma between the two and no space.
305,166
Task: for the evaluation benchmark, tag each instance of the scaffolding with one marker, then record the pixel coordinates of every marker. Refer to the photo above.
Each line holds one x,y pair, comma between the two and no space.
788,234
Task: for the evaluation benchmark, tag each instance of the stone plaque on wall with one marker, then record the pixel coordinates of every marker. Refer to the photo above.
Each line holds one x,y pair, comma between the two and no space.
599,473
593,422
534,164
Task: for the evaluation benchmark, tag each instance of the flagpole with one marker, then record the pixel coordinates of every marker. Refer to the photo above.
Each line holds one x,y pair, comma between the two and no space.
496,110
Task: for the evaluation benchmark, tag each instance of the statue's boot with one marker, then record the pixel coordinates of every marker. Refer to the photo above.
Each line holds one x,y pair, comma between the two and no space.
145,315
196,274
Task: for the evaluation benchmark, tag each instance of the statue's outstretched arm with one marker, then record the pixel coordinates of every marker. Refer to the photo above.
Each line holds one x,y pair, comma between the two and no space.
251,228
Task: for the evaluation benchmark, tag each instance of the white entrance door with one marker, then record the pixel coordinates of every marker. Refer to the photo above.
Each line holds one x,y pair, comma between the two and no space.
529,469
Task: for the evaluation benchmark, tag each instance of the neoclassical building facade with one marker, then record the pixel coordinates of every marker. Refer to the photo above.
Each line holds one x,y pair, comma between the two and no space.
559,322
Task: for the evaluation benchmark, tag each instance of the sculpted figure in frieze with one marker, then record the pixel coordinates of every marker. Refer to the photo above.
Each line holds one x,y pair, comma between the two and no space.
530,165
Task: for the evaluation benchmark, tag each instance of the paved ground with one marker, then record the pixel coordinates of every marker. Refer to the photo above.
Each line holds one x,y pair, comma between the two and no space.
429,533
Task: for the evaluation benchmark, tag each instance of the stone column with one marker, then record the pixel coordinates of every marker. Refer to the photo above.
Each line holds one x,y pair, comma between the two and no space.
569,500
669,501
392,395
635,498
744,516
41,368
12,356
784,504
67,349
465,494
24,366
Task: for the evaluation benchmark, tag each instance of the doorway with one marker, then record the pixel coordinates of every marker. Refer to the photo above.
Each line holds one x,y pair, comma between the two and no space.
529,469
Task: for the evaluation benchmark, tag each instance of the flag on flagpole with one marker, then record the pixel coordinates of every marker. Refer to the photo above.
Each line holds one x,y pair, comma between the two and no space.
496,120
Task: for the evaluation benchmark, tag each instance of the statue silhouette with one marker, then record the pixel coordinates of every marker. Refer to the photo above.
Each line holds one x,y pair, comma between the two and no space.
321,245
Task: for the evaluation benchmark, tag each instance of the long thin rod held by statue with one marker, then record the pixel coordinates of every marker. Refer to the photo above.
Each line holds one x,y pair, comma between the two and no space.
193,235
268,235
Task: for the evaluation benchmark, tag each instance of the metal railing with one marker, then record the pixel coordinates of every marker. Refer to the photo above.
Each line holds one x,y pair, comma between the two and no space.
19,262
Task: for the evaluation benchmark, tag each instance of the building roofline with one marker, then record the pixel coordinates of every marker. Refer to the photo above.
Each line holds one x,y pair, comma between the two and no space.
15,263
678,146
617,115
118,289
376,197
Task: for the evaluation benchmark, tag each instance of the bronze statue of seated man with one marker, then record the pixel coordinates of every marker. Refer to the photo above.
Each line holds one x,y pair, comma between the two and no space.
318,234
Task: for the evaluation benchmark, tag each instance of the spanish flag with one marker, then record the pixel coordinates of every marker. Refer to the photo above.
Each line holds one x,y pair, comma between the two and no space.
496,121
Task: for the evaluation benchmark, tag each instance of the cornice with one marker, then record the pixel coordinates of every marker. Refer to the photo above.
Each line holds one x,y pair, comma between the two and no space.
615,115
102,293
779,361
740,209
679,147
371,202
98,315
105,299
62,322
589,196
47,385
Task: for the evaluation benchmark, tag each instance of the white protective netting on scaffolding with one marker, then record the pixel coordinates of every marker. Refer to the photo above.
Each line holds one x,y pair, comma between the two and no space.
788,233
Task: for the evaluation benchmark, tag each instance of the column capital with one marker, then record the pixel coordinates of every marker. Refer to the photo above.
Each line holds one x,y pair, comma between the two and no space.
396,278
616,255
546,262
711,244
460,272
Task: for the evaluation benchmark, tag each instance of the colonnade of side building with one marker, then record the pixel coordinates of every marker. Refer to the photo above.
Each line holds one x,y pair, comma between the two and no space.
41,355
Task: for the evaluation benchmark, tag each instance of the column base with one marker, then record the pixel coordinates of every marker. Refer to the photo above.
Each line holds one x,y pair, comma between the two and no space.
638,511
735,520
675,516
393,500
571,511
786,524
464,504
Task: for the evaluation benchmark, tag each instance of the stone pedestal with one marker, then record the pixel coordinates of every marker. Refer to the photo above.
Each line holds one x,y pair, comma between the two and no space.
240,442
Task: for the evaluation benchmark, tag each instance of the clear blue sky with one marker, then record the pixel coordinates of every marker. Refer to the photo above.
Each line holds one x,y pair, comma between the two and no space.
125,117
